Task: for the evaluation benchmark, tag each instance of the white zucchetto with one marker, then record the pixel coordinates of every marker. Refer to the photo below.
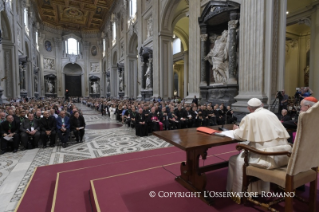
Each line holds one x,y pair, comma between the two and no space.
254,102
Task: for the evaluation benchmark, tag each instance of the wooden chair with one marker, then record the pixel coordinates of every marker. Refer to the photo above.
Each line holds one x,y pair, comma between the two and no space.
302,167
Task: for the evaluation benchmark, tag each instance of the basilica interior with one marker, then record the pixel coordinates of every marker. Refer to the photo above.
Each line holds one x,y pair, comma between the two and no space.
222,52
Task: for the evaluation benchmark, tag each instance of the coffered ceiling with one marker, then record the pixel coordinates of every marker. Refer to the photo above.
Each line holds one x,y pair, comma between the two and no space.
82,15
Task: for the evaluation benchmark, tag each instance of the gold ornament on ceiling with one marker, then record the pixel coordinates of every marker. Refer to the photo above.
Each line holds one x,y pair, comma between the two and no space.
80,15
73,13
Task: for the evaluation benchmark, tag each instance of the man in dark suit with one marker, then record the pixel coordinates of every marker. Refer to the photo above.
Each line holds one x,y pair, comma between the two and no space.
284,116
77,124
30,129
63,128
195,100
66,95
9,128
140,122
48,129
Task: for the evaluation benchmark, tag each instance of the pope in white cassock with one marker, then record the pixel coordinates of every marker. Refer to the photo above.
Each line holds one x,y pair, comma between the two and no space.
262,130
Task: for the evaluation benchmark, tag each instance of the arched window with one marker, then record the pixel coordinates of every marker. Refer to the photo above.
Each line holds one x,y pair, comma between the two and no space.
37,40
26,21
72,46
132,8
114,33
177,46
104,47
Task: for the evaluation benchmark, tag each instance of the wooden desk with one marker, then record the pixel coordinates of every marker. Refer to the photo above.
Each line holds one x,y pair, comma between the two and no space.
195,144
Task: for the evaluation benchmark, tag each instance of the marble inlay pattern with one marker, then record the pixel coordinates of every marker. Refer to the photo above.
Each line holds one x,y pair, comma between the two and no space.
97,143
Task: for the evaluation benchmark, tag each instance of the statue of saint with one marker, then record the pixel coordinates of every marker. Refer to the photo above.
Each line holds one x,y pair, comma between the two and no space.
218,58
95,87
121,82
50,87
108,85
147,75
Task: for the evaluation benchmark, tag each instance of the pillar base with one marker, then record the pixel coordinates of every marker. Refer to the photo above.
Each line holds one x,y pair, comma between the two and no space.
147,95
242,99
95,95
218,94
121,95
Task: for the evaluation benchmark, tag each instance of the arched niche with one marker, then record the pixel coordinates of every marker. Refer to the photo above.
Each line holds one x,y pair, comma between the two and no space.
50,85
94,86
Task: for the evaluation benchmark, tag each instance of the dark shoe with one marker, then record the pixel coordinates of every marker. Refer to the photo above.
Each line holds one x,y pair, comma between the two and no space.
15,150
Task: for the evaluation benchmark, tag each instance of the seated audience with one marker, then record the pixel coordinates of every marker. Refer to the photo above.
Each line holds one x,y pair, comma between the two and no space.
9,133
30,132
77,124
63,128
48,129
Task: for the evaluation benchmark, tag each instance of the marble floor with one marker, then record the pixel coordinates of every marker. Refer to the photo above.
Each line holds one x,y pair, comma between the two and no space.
16,169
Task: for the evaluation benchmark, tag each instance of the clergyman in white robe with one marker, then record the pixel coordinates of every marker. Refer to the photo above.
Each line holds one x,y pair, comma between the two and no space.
262,130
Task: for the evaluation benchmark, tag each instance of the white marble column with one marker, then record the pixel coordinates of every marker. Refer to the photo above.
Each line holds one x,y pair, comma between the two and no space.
166,67
2,86
260,48
194,50
314,52
186,64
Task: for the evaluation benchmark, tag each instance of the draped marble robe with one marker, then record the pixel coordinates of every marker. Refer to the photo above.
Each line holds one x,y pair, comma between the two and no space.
262,130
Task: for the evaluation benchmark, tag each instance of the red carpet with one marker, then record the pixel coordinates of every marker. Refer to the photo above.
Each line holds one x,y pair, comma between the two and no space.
131,192
38,195
71,190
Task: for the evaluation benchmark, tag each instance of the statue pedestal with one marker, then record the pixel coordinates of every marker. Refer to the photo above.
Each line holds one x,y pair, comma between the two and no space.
121,95
52,95
108,95
23,93
147,95
218,93
95,95
36,95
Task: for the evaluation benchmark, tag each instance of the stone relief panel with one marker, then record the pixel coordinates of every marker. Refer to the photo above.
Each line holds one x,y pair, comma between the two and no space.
150,27
48,64
95,68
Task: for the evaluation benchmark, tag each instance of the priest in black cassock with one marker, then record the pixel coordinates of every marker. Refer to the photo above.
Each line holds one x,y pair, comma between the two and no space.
140,122
9,128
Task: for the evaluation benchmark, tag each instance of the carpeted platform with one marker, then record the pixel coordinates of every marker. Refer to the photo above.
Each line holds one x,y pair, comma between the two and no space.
131,192
38,195
70,185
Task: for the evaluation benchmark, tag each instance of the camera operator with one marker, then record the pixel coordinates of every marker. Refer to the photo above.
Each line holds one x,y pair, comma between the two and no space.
283,100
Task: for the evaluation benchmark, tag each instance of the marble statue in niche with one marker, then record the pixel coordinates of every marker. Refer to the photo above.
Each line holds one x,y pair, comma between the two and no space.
95,87
121,82
50,87
108,85
48,46
35,84
19,38
218,58
150,27
148,77
48,63
94,51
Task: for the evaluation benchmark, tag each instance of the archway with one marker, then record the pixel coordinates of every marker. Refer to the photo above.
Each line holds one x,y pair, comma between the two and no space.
73,79
132,73
173,23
